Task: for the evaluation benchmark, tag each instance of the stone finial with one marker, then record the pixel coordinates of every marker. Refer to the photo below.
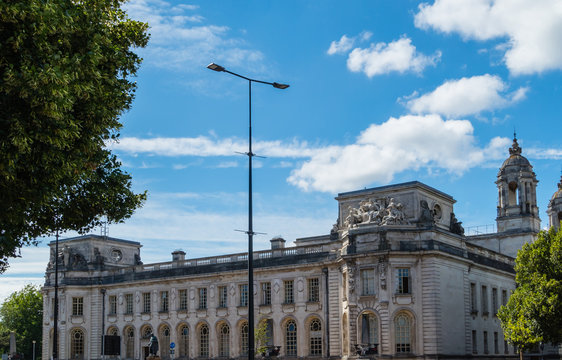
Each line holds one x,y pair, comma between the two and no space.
178,255
277,243
515,149
560,183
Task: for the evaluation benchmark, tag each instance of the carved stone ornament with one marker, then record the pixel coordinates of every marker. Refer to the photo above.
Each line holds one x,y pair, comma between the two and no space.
351,278
455,226
426,215
382,266
377,212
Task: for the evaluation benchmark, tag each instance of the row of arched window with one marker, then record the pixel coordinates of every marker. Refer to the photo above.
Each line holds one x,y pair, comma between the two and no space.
228,346
229,343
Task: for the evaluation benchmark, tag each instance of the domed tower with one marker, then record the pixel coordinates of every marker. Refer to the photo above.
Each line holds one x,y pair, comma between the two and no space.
517,186
554,210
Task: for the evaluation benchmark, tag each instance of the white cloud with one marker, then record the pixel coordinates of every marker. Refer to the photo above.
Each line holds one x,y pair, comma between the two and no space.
344,44
205,146
180,39
541,153
533,29
399,144
466,96
398,56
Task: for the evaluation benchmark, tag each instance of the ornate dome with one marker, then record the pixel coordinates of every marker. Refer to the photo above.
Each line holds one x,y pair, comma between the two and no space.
515,158
558,194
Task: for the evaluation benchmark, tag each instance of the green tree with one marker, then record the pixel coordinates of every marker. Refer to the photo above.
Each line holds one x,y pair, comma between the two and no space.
22,312
534,310
261,338
65,68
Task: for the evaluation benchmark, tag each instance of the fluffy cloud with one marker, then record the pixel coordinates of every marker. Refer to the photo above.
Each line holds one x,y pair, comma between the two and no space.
180,39
341,46
345,44
399,144
466,96
381,58
533,28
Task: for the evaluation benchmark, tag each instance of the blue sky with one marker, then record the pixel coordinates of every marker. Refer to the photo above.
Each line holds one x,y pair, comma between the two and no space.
381,92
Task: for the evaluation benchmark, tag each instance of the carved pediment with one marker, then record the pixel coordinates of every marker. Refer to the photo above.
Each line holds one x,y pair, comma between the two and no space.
380,212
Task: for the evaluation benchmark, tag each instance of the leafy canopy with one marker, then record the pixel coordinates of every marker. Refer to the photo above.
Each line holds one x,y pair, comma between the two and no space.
65,68
22,313
534,311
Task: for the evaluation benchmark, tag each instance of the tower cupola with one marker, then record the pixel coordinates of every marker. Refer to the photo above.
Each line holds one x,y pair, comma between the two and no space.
554,210
517,193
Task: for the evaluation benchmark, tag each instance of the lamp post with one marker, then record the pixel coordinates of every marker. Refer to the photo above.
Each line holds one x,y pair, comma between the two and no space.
33,349
250,232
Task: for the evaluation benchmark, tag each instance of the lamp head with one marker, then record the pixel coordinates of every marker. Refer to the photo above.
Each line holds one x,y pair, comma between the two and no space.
215,67
280,86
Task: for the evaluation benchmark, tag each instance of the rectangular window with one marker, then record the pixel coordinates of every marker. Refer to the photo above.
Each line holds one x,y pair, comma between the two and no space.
183,299
202,298
403,281
314,289
504,297
266,293
368,282
494,301
164,303
474,343
146,308
223,297
128,303
112,305
77,306
484,300
496,343
289,291
243,294
485,334
473,305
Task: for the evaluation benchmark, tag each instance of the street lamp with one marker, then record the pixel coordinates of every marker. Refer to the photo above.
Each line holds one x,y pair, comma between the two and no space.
250,232
33,349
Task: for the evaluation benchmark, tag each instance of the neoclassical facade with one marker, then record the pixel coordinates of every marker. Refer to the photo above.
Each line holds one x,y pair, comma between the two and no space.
395,278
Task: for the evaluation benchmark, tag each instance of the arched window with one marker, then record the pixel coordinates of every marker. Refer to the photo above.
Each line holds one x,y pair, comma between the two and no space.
315,337
76,344
513,194
164,342
224,340
146,332
369,330
291,338
183,345
244,338
113,331
129,343
403,333
204,341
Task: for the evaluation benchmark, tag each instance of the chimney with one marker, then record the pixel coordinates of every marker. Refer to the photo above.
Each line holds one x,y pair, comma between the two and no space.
178,255
277,243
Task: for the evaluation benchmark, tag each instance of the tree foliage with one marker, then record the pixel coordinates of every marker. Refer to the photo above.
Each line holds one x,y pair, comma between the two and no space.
534,311
22,313
65,70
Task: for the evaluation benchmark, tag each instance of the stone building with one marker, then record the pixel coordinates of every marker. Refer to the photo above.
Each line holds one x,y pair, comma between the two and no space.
396,278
